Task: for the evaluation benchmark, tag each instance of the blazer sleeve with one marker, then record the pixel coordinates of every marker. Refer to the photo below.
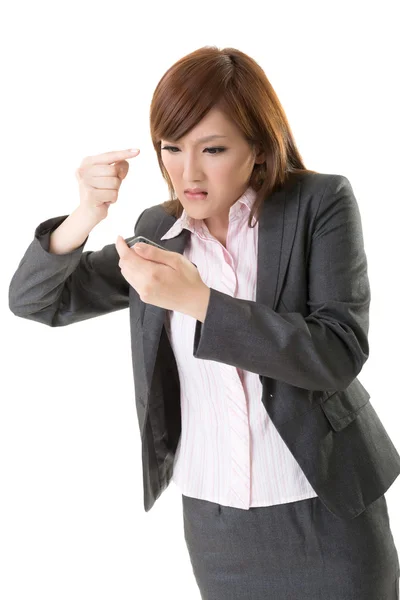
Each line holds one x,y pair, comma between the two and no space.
61,289
323,350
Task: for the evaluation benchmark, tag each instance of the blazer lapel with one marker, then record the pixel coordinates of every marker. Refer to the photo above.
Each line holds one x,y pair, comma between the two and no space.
277,226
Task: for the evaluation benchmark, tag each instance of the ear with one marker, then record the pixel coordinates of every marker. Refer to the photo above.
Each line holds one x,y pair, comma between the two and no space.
259,155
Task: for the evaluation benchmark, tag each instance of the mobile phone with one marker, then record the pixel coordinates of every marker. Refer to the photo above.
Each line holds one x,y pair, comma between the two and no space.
141,238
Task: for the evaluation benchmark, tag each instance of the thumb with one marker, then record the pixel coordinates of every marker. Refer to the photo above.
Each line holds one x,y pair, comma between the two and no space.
122,247
122,169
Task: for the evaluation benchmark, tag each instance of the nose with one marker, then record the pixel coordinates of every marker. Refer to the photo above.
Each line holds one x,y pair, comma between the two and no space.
192,171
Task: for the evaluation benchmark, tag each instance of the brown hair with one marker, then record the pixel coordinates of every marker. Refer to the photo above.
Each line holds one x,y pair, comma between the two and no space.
235,83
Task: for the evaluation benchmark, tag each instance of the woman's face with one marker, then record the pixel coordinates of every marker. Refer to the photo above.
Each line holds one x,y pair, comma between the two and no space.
224,172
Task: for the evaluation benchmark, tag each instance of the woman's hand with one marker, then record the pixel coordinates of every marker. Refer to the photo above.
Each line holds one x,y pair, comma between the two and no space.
100,178
163,278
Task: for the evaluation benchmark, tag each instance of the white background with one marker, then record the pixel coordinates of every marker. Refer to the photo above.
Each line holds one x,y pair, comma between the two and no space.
77,80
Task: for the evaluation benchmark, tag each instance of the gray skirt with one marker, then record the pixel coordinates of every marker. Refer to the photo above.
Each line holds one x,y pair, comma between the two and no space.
292,551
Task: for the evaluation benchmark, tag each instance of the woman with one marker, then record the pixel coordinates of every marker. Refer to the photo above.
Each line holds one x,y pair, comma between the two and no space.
247,339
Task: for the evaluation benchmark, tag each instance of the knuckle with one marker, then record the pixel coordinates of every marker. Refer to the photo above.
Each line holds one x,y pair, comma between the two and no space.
154,278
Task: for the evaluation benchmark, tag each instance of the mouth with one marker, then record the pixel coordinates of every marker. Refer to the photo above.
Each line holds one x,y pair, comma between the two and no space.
201,196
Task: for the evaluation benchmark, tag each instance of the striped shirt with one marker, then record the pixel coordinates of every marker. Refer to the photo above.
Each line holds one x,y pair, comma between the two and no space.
229,451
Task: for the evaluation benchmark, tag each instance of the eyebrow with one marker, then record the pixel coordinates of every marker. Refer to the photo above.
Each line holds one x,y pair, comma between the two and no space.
204,139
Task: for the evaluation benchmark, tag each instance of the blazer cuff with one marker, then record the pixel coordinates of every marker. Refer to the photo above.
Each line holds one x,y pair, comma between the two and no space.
46,228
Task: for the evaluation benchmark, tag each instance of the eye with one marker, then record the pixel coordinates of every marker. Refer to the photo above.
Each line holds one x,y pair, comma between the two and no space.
218,150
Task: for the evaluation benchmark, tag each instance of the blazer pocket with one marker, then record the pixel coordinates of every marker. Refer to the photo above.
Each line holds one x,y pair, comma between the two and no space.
342,407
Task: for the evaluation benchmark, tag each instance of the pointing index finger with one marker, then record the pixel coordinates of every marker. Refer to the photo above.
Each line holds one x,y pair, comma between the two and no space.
107,158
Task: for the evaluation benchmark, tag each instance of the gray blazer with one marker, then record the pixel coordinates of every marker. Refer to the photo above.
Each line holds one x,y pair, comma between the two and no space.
306,336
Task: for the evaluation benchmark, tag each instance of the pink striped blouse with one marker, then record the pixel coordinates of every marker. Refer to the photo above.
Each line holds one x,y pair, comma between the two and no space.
229,451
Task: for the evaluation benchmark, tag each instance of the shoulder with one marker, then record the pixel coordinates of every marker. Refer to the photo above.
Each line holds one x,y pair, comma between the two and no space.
316,192
319,184
151,216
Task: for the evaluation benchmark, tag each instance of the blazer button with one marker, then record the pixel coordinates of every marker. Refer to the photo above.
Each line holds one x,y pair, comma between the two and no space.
271,395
